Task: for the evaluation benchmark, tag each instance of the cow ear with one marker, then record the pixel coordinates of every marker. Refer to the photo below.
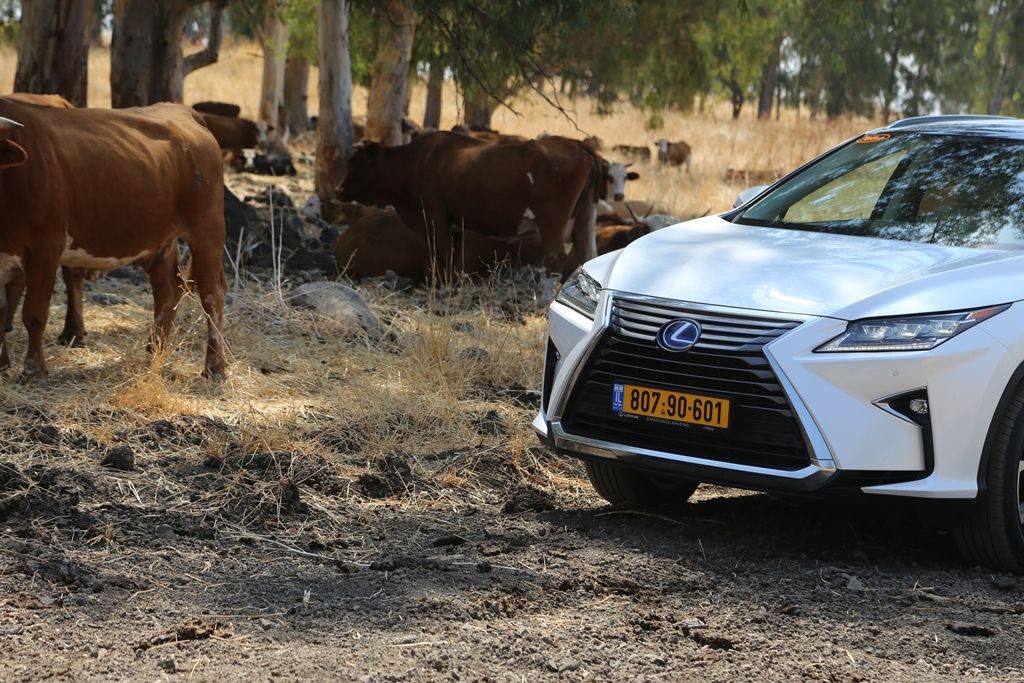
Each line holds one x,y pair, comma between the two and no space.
632,175
12,154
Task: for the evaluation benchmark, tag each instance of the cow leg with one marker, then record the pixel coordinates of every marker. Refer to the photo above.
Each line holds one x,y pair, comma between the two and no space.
74,325
584,231
168,288
14,289
5,358
40,276
208,274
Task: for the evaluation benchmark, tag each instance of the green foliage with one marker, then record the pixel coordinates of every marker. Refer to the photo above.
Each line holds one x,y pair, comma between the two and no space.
888,57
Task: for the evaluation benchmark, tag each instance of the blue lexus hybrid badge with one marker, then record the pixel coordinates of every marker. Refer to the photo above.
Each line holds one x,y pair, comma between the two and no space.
679,335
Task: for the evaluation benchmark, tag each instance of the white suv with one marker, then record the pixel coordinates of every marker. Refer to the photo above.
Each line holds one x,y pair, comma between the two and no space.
857,326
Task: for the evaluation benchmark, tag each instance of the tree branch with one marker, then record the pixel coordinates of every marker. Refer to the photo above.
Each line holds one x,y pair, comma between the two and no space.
211,53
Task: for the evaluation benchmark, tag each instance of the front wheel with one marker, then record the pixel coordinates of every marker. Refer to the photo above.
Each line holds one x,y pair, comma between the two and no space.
993,533
618,484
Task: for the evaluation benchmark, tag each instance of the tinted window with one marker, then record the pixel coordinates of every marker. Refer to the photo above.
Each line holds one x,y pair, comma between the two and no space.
951,190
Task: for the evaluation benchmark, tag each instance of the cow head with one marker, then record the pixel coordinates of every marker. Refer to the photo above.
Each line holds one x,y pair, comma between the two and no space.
662,146
616,176
360,174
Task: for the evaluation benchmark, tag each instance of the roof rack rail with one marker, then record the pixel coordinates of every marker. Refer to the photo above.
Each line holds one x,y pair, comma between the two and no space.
941,118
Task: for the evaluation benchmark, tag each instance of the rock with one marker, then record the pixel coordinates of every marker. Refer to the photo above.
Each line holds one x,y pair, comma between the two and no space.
169,665
1004,583
311,209
129,273
474,353
966,629
239,217
446,541
854,584
119,458
396,283
528,499
104,299
164,530
339,302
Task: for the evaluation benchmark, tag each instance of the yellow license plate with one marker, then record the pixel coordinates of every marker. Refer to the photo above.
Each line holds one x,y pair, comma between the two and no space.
630,399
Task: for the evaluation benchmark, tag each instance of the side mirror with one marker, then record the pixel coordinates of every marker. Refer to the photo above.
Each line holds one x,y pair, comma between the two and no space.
748,194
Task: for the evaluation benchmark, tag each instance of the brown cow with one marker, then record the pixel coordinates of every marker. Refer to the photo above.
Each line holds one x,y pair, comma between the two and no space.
379,241
674,153
16,287
445,179
594,143
232,134
635,152
232,111
155,178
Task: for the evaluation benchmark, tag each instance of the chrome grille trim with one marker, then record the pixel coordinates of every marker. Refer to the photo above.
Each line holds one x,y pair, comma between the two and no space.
722,329
769,324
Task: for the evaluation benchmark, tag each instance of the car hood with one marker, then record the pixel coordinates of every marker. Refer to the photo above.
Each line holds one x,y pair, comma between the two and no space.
713,261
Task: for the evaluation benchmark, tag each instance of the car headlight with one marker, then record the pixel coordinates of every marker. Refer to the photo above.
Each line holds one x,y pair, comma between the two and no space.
580,292
915,333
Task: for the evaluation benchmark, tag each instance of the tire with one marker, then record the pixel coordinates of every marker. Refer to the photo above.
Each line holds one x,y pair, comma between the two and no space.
618,484
992,535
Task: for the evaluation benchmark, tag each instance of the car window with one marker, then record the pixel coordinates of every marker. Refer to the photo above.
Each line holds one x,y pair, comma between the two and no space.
944,189
852,195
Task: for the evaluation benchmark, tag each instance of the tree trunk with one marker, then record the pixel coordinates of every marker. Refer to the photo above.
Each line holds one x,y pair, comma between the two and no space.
384,107
769,76
145,53
146,62
96,17
275,50
435,83
53,52
334,135
296,93
478,108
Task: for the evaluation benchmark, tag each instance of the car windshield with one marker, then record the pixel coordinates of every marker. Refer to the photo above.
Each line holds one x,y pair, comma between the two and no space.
952,190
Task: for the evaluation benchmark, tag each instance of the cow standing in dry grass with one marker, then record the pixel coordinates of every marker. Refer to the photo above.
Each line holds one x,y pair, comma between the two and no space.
121,186
674,153
441,180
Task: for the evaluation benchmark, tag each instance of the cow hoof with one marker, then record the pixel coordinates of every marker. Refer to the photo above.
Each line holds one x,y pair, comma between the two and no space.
216,376
28,377
71,340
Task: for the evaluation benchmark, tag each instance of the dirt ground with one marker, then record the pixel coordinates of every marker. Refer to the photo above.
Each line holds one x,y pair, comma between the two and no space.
346,510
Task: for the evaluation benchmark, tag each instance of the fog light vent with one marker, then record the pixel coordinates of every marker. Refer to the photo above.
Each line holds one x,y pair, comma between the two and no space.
912,405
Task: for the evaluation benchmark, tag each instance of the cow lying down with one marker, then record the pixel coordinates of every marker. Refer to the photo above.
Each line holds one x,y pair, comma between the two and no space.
378,241
122,186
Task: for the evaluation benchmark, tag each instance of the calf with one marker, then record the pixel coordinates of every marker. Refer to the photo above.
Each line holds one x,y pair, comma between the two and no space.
674,153
155,178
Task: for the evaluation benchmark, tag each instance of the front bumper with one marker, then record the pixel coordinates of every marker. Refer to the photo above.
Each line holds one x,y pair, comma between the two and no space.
838,399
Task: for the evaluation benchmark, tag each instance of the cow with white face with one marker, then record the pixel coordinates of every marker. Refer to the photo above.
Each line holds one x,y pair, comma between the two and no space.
616,177
674,153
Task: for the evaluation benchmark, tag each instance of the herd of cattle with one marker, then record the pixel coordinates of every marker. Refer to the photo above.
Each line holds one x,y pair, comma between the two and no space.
89,190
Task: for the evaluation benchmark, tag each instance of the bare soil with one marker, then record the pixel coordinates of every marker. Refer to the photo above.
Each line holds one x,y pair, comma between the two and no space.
151,529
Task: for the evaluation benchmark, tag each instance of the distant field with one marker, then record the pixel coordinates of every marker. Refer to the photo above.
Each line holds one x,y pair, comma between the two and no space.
718,142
